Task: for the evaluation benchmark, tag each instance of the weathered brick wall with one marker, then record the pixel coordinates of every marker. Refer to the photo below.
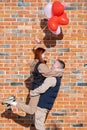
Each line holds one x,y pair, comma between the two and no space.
20,22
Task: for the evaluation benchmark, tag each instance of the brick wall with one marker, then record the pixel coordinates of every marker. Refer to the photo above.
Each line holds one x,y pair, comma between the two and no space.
20,22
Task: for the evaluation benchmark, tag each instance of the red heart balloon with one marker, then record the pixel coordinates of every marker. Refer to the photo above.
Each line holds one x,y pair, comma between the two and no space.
57,8
53,23
63,20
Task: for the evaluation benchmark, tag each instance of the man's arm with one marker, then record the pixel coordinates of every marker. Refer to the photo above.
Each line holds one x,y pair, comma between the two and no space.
48,82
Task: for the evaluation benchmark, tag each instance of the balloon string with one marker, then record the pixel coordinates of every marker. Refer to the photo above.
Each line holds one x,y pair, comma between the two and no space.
44,28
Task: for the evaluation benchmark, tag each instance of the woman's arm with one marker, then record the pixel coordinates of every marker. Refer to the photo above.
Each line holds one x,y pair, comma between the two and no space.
46,72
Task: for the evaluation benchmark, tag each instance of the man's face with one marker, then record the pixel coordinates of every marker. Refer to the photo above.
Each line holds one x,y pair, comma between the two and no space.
57,65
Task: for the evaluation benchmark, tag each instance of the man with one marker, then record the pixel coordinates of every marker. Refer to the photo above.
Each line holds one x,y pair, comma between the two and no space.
48,92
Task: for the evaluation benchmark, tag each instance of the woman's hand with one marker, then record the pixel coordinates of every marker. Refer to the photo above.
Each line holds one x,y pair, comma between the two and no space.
37,40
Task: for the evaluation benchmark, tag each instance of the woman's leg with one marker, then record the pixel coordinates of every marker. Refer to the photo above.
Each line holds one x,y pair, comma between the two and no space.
31,107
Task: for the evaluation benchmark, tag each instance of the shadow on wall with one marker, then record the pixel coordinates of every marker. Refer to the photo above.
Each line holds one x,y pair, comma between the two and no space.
49,39
27,85
26,121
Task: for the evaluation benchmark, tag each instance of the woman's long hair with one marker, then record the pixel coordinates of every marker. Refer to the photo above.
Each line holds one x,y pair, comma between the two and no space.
38,54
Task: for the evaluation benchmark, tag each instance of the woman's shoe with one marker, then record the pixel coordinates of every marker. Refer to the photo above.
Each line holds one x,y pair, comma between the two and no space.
9,100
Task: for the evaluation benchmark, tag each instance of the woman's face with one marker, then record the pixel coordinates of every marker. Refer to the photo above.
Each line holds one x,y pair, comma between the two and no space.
44,55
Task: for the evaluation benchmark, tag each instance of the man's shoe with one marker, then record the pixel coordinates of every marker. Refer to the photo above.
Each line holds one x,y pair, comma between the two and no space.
8,100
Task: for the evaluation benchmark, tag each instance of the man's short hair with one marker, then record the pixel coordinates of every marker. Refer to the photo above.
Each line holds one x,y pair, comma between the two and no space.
62,63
